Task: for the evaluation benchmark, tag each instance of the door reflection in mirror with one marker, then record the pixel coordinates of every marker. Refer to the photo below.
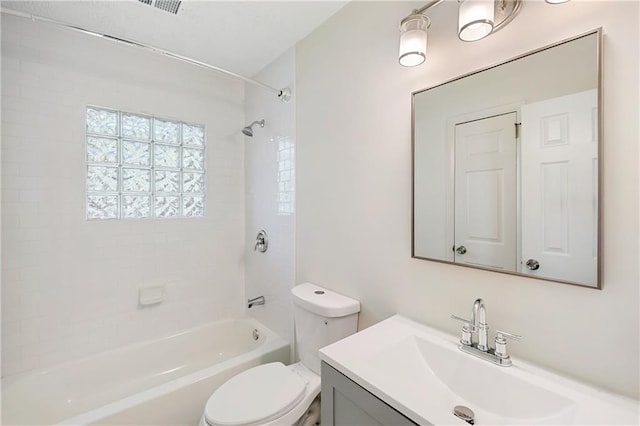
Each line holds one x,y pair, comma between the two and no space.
560,186
485,192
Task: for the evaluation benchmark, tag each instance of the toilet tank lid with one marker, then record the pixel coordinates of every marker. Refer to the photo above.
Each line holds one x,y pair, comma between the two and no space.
323,302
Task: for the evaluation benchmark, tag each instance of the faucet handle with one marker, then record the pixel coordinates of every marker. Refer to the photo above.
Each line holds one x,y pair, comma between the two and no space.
467,329
507,335
460,319
501,343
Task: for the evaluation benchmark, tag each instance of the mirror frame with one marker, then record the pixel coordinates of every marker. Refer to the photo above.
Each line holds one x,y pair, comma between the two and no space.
600,133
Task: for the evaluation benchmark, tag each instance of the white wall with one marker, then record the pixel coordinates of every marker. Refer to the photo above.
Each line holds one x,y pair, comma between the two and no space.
270,274
354,184
69,286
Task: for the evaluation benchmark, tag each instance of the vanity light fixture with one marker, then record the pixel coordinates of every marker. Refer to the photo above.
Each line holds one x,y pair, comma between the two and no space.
556,1
413,39
476,20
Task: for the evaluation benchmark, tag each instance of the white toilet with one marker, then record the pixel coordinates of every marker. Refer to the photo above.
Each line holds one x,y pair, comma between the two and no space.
274,394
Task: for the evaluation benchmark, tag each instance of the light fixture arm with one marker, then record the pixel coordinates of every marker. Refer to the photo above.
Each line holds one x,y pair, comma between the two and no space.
505,11
424,8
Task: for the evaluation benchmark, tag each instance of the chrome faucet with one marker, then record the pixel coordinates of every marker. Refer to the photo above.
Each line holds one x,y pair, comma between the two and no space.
480,348
479,322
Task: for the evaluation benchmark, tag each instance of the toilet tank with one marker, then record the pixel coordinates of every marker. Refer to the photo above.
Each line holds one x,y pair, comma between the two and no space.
321,317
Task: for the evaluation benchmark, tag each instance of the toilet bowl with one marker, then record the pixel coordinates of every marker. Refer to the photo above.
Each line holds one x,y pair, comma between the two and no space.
274,394
269,395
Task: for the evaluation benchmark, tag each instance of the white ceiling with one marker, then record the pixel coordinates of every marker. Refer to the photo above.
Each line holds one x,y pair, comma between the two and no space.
240,36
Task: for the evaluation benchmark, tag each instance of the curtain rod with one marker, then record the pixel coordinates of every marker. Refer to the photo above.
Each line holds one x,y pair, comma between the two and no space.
283,94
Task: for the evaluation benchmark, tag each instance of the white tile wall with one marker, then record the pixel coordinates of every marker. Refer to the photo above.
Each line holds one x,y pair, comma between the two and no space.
271,273
69,286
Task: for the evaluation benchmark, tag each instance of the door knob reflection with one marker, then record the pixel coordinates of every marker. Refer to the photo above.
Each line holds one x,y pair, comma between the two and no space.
533,264
461,250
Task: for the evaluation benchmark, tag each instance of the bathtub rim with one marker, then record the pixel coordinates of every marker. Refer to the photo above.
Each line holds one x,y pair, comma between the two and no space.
272,343
10,379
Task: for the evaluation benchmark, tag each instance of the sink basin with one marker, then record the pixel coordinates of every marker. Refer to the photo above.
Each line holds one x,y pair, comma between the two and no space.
452,378
421,372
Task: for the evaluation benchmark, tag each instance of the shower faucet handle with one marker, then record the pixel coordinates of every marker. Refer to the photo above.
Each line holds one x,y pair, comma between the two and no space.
262,242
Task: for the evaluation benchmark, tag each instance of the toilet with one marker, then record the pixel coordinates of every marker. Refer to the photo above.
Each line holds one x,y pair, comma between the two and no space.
274,394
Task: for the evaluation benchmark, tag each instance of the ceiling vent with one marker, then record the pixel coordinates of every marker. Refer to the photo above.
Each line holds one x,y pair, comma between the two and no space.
171,6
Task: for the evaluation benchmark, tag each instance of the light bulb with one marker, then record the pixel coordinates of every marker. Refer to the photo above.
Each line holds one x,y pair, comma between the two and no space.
475,19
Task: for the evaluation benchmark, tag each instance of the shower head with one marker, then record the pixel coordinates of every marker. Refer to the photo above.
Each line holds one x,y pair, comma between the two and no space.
249,129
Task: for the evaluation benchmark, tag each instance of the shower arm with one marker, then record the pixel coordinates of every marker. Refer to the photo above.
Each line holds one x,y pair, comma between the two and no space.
284,94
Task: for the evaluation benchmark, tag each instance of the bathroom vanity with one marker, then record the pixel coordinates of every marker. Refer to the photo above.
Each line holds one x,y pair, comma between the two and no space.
344,402
402,372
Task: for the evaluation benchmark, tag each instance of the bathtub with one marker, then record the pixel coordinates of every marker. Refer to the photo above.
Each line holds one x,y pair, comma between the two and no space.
165,381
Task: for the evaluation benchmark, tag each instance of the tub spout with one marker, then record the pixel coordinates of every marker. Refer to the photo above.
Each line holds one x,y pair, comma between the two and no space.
255,301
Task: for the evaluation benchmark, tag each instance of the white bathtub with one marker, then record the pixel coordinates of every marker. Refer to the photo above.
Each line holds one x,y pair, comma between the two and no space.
159,382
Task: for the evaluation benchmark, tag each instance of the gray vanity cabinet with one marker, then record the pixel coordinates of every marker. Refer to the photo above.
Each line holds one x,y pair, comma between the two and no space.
345,403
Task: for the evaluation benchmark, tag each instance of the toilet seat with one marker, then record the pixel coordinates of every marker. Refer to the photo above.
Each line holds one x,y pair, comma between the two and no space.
257,395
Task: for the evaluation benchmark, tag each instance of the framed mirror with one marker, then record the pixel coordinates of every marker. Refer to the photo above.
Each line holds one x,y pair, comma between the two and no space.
506,170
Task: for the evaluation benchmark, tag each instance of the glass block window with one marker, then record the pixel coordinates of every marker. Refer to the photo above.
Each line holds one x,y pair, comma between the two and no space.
141,167
286,177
